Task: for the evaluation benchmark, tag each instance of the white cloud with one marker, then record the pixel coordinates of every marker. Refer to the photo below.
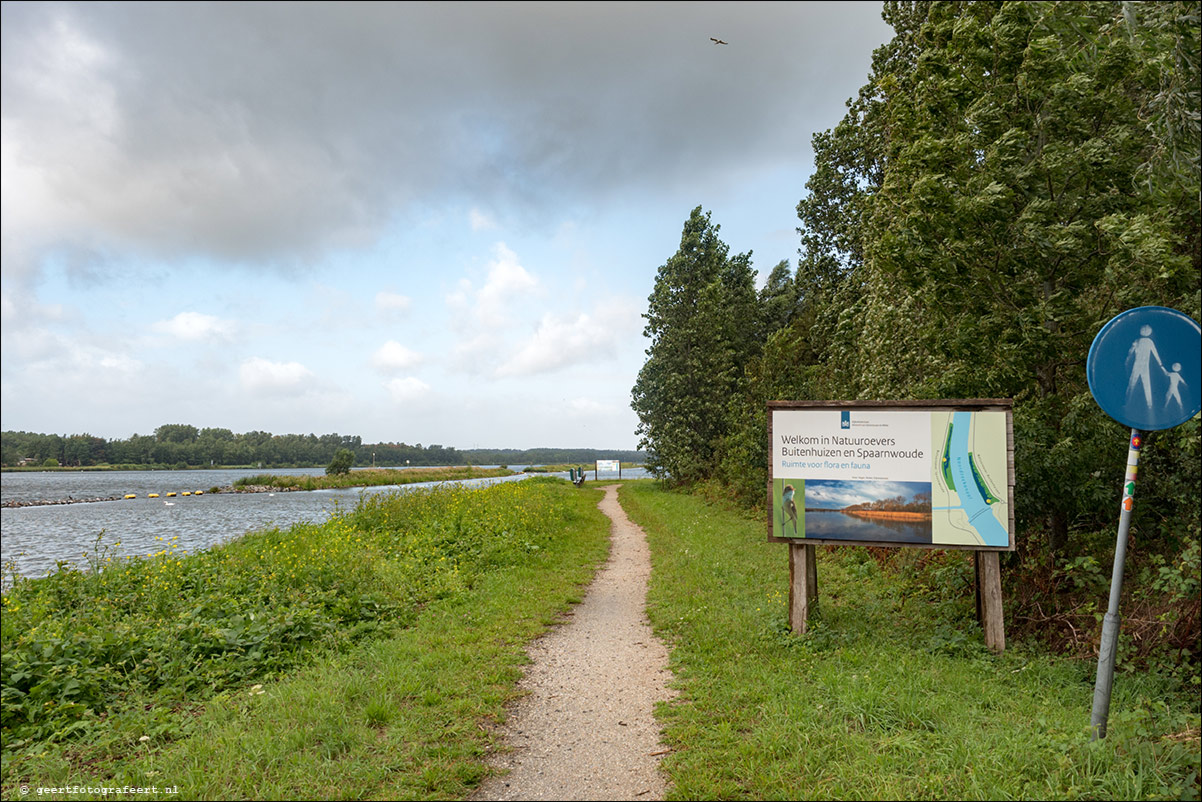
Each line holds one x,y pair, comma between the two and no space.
407,389
507,281
563,341
195,326
588,407
481,221
392,302
482,314
120,363
557,343
392,357
263,377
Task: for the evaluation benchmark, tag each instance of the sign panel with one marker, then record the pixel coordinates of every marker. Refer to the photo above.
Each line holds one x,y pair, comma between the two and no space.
1145,368
936,474
608,465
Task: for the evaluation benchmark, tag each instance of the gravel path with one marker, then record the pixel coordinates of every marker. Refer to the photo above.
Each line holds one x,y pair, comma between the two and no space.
586,729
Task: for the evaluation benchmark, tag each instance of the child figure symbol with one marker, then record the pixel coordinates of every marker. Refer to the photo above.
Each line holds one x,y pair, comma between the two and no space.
1175,382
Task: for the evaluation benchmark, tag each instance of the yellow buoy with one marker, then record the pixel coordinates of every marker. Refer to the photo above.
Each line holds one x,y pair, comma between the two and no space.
171,494
131,495
200,492
186,493
152,495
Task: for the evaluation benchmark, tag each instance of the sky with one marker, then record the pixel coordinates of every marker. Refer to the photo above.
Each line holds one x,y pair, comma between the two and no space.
431,223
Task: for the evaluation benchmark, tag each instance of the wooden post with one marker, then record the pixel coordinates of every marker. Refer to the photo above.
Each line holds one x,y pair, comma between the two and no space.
976,586
803,585
989,592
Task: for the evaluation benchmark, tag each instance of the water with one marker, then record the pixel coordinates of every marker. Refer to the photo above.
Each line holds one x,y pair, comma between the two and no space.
36,539
837,525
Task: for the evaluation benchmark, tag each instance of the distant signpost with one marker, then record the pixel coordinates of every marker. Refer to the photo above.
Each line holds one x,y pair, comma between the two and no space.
1145,371
609,466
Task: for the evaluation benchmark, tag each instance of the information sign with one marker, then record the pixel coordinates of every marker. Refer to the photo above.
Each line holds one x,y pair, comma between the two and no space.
937,474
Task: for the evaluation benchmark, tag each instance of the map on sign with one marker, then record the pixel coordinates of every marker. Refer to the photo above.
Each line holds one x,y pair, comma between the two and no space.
969,500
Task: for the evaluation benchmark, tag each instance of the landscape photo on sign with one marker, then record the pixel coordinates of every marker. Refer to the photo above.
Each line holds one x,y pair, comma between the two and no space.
883,511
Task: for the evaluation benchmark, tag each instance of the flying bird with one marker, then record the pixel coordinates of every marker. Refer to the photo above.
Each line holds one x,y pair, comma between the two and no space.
718,41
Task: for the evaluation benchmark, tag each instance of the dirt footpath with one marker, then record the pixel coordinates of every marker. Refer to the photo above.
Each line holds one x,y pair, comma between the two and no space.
586,729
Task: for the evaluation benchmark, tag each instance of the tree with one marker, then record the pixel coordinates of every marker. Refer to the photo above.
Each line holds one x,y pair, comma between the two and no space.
342,462
702,320
176,433
1011,223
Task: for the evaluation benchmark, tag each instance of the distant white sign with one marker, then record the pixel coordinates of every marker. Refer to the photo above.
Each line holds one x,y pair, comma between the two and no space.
609,465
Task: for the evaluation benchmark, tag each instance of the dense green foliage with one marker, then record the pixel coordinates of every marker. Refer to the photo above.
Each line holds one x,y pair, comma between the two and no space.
342,462
702,322
148,641
1012,176
891,693
184,446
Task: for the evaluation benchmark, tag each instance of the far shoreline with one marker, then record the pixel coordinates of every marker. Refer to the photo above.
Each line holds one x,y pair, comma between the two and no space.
894,515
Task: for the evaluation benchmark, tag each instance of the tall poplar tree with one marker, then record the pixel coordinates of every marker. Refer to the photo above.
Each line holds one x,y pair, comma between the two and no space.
702,320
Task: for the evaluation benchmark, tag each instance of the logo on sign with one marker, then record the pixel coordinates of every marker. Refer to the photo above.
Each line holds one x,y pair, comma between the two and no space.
845,421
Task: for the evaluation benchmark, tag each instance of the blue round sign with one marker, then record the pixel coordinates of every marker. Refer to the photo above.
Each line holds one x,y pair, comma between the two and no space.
1145,368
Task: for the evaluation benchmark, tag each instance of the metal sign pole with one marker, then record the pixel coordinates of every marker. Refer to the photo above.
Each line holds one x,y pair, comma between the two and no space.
1144,371
1110,623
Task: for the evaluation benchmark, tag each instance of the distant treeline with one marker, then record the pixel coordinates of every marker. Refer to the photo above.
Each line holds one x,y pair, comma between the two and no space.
184,446
920,503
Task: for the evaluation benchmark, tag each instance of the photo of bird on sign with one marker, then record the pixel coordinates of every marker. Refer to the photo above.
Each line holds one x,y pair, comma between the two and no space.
788,508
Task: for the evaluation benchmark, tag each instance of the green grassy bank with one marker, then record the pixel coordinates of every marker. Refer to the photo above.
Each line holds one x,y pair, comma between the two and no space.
363,658
890,695
367,657
371,477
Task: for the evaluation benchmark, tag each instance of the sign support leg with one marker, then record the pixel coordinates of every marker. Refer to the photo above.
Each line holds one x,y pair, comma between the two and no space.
803,585
989,599
1110,623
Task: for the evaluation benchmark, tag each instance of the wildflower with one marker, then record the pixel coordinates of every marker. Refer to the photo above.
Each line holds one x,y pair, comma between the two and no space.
144,738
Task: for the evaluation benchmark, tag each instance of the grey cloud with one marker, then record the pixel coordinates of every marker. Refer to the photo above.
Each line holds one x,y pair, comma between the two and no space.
266,132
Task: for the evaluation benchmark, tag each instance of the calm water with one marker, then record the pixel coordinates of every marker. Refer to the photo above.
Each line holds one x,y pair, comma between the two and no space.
35,539
838,525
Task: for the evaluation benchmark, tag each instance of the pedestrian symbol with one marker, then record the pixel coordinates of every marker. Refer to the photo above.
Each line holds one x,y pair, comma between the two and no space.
1144,369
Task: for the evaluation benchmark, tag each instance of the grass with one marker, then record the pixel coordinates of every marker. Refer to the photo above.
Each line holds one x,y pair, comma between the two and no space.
369,657
888,696
371,477
364,658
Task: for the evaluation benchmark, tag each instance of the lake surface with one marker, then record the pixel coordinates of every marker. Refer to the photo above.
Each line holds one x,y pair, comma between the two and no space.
35,539
838,525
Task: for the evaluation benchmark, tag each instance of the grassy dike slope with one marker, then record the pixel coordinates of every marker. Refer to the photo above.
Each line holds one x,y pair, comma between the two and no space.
890,695
401,711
